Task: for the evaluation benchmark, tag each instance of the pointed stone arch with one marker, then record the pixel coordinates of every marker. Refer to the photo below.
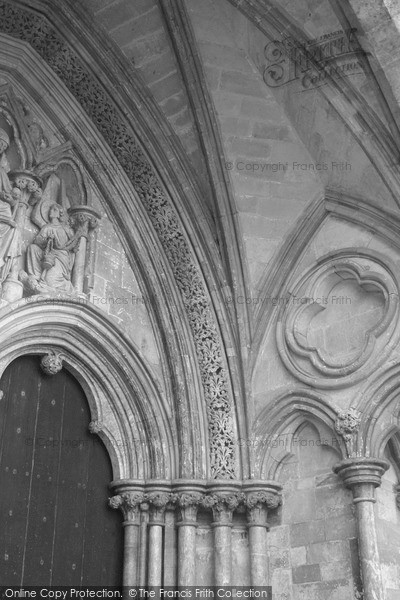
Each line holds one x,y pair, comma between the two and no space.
127,408
277,424
379,408
205,370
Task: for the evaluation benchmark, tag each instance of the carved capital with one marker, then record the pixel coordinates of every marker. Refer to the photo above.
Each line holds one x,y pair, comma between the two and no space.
187,499
257,504
27,187
362,476
347,425
188,504
158,502
84,217
128,503
51,363
222,506
268,499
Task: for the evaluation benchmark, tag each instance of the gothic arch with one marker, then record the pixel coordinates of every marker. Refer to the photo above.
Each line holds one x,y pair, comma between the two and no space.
149,263
379,408
278,423
127,408
159,202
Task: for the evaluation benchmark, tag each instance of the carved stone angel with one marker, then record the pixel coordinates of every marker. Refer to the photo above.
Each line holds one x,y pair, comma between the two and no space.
50,258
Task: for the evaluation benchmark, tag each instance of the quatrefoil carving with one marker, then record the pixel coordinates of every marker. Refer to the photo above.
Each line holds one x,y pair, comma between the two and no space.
339,317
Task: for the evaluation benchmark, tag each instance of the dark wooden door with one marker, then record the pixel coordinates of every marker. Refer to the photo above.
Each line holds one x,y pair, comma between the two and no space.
55,525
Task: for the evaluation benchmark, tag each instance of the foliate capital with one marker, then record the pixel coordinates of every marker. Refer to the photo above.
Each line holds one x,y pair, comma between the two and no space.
128,503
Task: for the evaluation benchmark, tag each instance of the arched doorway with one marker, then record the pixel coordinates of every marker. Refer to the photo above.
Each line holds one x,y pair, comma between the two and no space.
55,526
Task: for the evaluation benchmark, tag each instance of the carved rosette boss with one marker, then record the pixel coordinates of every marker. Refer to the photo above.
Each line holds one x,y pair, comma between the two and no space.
51,363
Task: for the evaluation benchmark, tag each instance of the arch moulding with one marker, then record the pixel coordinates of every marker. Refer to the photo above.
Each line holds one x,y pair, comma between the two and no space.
127,409
29,36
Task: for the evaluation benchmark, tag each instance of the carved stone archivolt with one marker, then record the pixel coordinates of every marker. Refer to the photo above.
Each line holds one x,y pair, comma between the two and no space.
339,320
94,99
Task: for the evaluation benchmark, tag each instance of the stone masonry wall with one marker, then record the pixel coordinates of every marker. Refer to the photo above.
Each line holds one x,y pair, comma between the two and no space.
116,292
258,139
312,541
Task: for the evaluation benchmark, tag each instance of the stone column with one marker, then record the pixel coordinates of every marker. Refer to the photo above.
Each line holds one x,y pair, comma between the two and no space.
85,220
223,499
188,499
128,501
362,476
157,498
144,522
260,496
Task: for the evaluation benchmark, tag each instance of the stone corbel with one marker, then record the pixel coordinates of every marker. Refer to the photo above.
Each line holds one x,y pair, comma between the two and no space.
347,425
95,427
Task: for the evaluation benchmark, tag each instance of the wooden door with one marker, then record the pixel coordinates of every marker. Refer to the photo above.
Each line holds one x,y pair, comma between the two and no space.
55,525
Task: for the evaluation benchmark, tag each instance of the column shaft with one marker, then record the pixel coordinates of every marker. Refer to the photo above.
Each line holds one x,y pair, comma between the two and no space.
186,554
128,501
155,554
78,271
258,555
222,553
261,496
188,499
158,498
362,476
131,553
143,544
368,544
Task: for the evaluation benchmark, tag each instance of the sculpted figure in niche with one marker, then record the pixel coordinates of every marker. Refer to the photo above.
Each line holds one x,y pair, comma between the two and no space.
10,237
50,258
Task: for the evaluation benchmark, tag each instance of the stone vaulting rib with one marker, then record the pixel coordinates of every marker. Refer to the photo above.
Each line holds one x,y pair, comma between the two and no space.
97,103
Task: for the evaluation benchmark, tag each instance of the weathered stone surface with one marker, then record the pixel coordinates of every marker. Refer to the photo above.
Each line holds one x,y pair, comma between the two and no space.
306,573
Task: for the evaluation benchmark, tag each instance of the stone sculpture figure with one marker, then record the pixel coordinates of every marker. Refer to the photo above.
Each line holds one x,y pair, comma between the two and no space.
10,237
50,258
